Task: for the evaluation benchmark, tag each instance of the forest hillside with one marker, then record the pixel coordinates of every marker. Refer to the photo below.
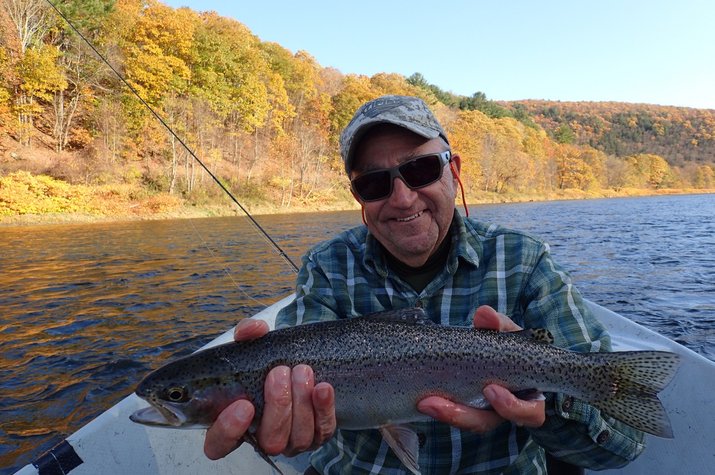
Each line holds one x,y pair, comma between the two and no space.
265,120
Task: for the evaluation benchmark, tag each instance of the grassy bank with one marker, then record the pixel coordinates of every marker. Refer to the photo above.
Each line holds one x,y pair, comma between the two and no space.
27,199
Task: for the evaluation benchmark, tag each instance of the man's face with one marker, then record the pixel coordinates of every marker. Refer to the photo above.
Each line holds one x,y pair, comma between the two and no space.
410,224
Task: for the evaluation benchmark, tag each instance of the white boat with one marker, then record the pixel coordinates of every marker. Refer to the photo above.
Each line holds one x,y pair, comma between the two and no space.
112,444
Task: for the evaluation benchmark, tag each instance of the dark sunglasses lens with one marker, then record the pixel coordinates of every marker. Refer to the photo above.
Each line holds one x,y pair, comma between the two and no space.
422,171
373,186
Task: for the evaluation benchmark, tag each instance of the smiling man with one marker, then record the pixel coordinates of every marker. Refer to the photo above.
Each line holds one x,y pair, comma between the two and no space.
417,250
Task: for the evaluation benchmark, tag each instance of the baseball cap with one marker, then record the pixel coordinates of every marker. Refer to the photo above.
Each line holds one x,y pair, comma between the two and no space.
407,112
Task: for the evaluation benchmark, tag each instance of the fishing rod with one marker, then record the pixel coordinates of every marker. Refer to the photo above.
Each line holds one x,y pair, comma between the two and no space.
253,221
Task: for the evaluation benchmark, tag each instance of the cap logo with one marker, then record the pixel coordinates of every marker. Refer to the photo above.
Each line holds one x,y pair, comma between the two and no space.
378,106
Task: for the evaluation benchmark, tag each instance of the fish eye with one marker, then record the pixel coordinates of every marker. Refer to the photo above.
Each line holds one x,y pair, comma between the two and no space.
176,394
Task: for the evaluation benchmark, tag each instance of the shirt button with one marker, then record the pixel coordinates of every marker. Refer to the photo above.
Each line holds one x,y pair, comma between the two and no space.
603,437
567,404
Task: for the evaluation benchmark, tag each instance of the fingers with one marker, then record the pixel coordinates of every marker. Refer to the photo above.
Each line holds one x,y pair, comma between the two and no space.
226,433
324,405
276,423
298,414
507,407
303,422
250,329
460,416
523,413
487,318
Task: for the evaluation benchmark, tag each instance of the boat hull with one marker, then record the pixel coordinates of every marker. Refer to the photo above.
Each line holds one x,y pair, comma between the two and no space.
112,444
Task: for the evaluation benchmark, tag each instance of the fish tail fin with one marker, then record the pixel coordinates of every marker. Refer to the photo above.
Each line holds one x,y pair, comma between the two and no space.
636,379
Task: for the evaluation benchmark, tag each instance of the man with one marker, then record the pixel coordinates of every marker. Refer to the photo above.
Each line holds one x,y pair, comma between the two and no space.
416,250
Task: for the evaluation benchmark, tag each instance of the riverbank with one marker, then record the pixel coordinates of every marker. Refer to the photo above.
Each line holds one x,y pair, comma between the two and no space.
164,206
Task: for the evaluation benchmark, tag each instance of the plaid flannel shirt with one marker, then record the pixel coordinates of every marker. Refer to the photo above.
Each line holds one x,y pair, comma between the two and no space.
508,270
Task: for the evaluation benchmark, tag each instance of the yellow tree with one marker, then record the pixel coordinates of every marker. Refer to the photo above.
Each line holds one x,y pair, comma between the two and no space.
494,156
230,71
391,83
704,177
648,170
233,73
305,145
355,91
535,144
617,172
158,49
659,172
83,73
5,74
311,128
572,170
40,78
596,161
30,19
466,135
508,166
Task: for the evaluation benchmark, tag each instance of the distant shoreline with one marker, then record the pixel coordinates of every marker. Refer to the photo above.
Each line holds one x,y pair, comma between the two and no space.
193,212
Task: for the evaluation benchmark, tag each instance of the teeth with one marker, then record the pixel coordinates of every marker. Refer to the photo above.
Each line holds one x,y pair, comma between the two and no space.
410,218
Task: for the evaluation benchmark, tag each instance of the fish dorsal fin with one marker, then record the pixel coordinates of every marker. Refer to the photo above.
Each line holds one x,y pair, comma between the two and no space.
538,335
405,443
414,315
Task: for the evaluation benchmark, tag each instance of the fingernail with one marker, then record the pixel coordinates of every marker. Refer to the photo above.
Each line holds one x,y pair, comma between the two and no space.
243,326
322,392
243,412
490,393
300,374
429,410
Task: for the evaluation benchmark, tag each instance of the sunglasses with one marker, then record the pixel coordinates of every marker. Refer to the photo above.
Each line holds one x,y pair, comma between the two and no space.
415,173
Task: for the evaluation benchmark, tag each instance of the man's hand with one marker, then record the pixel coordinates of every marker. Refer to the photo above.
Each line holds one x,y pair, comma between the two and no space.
506,405
298,415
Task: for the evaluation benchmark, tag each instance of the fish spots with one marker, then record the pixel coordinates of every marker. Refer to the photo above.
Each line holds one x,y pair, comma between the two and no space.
380,368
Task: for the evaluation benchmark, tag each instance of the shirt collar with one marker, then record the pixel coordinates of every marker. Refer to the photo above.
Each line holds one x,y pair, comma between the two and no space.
464,245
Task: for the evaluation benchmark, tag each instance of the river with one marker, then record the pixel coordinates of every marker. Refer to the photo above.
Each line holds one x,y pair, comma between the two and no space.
87,310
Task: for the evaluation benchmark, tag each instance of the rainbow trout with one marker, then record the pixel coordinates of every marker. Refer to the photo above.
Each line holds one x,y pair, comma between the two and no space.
382,364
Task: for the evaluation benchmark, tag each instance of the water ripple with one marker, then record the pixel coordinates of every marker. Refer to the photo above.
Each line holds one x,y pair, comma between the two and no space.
88,310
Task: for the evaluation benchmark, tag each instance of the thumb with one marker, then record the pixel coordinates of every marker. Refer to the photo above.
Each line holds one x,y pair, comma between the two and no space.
485,317
250,329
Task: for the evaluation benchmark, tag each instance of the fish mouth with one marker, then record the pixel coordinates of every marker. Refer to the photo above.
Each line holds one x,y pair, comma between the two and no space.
159,416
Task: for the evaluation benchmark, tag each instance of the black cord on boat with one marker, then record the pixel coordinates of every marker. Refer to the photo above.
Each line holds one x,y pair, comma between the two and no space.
255,223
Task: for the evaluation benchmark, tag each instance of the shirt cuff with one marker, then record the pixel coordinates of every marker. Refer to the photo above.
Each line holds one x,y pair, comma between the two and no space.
585,422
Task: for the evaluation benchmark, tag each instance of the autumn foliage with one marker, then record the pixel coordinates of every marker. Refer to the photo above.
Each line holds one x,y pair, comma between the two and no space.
266,120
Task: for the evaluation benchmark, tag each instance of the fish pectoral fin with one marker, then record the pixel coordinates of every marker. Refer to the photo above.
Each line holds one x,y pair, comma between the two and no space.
530,395
537,335
251,439
405,443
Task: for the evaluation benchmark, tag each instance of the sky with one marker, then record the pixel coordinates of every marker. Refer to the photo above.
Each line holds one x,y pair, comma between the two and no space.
637,51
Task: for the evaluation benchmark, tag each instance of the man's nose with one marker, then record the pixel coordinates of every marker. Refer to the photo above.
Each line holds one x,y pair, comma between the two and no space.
402,195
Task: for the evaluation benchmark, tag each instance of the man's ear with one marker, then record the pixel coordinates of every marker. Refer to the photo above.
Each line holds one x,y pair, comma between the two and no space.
362,206
357,198
455,165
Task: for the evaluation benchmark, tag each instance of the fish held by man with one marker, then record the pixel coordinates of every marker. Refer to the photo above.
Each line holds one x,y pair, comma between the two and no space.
405,357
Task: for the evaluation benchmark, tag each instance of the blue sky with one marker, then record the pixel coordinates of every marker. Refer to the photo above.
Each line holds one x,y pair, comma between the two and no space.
639,51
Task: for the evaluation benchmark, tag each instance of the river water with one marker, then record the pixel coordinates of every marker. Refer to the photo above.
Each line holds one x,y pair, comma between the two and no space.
87,310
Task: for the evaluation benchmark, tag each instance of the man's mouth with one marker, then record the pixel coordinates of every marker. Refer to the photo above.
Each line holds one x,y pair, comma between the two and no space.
409,218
